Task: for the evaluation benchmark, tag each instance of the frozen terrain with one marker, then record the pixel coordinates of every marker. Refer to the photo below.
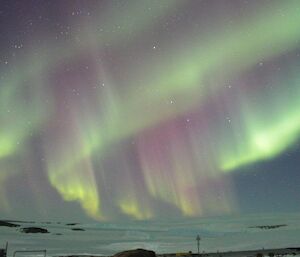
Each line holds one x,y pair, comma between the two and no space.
217,234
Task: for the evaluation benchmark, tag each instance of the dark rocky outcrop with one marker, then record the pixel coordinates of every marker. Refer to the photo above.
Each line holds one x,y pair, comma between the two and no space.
34,230
8,224
2,253
78,229
136,253
72,224
270,227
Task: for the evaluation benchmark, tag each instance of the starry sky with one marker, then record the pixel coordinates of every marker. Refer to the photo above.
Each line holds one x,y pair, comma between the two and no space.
149,109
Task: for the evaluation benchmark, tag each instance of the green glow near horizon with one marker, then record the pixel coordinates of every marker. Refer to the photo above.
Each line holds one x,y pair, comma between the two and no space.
81,189
269,132
265,143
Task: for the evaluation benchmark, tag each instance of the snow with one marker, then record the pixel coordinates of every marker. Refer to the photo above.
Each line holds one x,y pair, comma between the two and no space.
217,234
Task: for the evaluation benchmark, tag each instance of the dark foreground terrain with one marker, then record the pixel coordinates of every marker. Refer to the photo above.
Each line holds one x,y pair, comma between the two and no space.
250,253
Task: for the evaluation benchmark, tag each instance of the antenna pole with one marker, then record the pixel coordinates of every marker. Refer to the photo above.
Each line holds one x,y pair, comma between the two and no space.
198,238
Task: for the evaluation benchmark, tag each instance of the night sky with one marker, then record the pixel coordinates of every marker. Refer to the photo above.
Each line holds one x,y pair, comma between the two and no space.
149,109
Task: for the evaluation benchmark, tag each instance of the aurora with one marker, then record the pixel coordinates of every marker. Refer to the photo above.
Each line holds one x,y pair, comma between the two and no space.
146,109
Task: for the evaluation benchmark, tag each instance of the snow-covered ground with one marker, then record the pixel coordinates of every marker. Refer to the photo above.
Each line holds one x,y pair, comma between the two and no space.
217,234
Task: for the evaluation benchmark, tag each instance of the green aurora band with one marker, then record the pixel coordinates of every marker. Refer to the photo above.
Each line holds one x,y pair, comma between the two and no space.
178,76
268,133
243,46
